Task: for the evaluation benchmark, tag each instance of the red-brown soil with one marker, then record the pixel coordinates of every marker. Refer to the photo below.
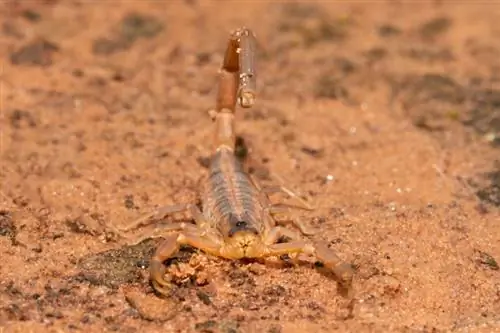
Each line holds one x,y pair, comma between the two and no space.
387,115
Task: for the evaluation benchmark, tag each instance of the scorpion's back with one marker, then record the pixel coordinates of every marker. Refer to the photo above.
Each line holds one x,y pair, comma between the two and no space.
231,201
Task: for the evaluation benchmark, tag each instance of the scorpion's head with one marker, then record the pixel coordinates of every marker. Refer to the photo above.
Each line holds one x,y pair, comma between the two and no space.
243,240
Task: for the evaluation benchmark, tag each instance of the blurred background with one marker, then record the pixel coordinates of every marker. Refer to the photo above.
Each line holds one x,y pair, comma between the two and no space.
386,113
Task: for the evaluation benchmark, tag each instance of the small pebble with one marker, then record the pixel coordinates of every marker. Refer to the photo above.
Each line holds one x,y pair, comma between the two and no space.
150,307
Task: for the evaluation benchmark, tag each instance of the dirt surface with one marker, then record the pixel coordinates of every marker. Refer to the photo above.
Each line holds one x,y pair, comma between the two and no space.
387,116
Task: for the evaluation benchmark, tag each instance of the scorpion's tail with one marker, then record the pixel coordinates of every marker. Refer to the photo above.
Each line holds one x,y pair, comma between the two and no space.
237,82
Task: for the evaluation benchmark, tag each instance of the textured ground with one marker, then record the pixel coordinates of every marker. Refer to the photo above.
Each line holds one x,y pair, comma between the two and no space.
387,116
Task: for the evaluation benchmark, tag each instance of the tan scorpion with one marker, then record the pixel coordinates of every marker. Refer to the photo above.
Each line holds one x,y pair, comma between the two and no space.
237,219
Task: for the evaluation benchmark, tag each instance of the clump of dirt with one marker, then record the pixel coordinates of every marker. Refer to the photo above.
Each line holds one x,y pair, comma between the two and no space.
186,270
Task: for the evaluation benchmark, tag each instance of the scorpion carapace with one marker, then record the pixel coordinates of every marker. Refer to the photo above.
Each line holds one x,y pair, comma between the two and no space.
238,219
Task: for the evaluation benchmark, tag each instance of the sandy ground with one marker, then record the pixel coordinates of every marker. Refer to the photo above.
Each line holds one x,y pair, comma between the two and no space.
387,115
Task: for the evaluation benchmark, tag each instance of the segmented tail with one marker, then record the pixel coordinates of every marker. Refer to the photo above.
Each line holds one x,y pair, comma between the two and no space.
237,82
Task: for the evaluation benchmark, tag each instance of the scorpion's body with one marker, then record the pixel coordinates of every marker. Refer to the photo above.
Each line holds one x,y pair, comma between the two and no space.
230,199
237,217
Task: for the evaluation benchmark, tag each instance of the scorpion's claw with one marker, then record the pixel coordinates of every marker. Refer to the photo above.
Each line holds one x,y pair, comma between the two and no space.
341,269
157,273
161,289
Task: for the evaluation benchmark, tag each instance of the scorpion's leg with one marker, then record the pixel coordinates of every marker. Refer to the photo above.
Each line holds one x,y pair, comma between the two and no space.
198,217
169,247
161,212
300,202
182,226
157,214
298,223
342,270
265,190
161,232
277,232
274,210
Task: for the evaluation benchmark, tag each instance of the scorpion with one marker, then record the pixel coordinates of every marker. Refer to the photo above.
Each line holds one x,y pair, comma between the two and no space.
237,219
